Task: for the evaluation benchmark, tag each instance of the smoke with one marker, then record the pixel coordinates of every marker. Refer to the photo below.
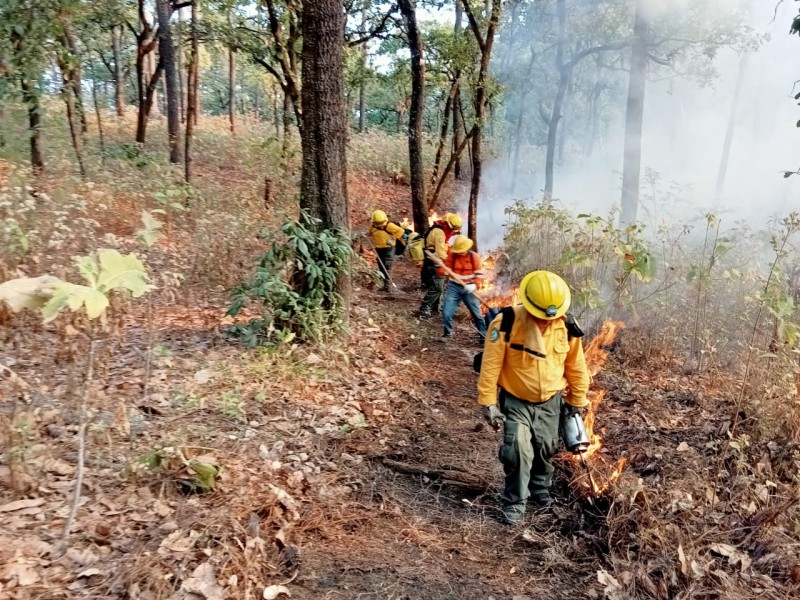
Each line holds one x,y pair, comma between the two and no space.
684,130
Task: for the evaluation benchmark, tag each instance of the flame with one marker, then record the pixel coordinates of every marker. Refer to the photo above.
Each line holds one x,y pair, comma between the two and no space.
434,216
596,354
406,224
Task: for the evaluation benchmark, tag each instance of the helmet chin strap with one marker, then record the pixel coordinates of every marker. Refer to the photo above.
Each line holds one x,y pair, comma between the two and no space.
551,311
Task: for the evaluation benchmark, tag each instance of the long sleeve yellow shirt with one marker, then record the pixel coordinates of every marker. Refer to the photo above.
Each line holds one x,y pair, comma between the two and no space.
437,242
519,368
384,237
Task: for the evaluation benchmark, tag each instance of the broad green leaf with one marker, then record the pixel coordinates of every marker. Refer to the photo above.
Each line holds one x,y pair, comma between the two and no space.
150,233
75,297
126,272
87,265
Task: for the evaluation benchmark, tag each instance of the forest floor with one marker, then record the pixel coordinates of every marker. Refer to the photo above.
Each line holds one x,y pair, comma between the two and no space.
363,469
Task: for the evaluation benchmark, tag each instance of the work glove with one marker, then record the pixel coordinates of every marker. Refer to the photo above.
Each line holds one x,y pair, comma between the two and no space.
470,288
495,417
574,410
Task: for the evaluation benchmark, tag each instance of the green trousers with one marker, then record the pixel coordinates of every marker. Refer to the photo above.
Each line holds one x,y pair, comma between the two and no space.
530,441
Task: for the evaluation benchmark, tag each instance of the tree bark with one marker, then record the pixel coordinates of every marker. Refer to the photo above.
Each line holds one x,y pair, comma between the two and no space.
72,116
362,84
558,103
419,205
145,44
323,184
287,123
180,67
97,114
119,83
450,163
191,101
485,44
147,105
74,76
458,121
232,89
231,81
167,58
634,115
31,100
445,128
323,189
728,143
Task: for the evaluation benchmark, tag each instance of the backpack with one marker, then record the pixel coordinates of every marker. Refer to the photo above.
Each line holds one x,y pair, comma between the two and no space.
573,331
415,248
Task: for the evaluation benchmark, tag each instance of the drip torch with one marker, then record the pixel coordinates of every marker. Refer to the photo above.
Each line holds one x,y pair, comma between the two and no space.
576,440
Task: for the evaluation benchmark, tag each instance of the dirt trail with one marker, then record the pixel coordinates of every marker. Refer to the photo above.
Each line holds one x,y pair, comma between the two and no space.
413,536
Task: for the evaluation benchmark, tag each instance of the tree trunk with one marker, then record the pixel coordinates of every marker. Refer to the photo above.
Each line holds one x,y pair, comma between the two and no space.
362,84
180,68
191,101
450,163
31,100
288,107
323,189
119,83
566,114
147,105
552,132
480,117
558,103
445,128
458,121
72,116
726,146
167,59
419,204
517,147
634,115
232,90
97,114
323,185
275,112
74,76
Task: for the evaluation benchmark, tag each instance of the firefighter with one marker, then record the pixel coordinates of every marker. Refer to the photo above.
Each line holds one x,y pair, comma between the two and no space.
466,264
385,236
436,242
540,370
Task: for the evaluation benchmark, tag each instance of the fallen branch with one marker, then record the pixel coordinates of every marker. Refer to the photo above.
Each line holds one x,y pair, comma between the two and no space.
81,446
446,476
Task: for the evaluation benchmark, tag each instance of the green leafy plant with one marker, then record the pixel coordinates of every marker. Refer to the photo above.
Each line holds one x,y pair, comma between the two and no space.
295,285
107,271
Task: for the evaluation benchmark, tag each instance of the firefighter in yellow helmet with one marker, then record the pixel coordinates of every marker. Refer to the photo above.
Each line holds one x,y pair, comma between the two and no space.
436,240
385,235
534,354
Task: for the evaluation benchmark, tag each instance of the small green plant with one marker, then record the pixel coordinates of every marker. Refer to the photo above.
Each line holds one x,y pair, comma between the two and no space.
231,406
192,475
295,285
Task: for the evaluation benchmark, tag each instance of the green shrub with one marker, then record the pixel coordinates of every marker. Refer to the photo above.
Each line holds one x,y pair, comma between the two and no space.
295,285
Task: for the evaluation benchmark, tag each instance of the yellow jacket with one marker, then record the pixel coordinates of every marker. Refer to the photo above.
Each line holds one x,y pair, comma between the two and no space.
384,237
436,242
522,373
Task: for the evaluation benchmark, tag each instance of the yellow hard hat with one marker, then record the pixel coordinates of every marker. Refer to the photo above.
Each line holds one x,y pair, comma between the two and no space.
462,244
453,220
545,295
379,216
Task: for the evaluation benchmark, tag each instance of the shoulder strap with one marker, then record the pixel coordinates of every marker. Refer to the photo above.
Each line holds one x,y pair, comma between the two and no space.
573,329
428,232
508,321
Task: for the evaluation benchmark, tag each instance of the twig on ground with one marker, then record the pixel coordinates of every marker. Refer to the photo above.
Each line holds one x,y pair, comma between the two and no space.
81,446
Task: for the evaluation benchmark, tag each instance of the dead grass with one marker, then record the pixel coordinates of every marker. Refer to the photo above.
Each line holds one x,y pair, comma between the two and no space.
305,498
